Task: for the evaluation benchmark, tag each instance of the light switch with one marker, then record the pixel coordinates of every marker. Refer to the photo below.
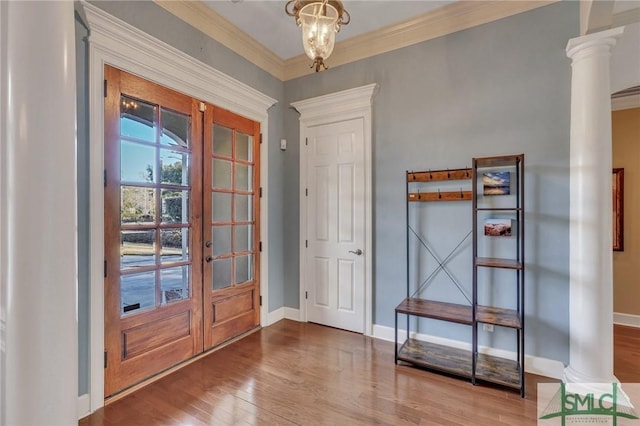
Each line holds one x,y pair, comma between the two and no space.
283,144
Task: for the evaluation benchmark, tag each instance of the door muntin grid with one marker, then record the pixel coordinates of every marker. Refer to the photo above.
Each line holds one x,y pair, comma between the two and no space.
232,208
155,198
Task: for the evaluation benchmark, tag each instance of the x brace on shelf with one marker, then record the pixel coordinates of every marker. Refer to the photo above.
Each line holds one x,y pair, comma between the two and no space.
441,265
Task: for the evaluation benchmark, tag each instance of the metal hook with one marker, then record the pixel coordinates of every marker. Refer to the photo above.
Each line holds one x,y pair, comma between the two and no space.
439,194
461,196
430,177
419,195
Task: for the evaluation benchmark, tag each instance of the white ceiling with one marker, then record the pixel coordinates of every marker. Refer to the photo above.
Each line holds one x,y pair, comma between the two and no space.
279,33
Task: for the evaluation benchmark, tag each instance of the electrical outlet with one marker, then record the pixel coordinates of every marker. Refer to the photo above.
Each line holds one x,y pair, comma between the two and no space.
487,327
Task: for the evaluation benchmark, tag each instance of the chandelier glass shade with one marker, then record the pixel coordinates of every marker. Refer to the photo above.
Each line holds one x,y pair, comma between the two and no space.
320,21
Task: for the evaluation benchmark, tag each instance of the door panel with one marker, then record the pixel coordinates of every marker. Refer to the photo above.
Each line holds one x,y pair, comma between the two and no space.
231,208
335,225
153,283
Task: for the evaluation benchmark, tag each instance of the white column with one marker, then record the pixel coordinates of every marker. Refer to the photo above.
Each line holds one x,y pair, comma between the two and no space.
591,271
38,220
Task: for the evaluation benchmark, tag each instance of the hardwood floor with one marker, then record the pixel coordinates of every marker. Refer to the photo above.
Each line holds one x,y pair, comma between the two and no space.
304,374
626,356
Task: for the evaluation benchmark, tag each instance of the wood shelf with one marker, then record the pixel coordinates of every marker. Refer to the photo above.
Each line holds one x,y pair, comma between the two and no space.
456,361
440,196
501,161
439,175
498,209
495,262
436,357
498,370
498,316
461,314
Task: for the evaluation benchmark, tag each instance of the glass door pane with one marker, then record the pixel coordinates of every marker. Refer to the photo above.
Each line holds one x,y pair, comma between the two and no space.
155,195
232,199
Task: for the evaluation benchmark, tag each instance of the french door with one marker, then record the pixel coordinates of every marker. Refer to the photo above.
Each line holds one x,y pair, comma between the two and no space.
161,241
231,206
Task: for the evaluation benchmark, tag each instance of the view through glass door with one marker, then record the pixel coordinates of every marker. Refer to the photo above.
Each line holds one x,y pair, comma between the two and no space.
155,253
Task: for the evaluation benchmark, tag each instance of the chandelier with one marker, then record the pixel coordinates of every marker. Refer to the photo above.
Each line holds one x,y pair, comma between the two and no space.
320,21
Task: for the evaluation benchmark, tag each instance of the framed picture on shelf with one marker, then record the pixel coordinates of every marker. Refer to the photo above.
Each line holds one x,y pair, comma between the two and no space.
497,227
496,183
618,209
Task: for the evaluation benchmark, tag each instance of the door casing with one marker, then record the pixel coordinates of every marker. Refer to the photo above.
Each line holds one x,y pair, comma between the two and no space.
113,42
341,106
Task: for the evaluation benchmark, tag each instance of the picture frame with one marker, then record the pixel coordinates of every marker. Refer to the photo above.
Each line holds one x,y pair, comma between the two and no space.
497,227
618,209
496,183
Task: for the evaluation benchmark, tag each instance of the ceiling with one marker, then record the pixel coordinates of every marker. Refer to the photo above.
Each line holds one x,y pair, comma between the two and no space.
267,22
261,32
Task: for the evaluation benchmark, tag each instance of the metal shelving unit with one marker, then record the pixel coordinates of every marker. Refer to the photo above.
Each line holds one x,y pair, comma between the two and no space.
502,371
471,364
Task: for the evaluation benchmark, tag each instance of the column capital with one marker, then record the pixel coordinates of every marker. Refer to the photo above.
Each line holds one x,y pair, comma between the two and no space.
605,39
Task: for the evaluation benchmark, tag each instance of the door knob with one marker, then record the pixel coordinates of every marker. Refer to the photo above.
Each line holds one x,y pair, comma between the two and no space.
207,244
358,252
208,259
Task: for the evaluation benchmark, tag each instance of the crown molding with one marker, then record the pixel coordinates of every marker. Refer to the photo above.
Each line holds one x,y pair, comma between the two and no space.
626,18
203,18
454,17
627,102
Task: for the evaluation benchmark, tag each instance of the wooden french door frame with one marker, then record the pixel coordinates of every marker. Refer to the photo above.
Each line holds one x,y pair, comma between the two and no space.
153,268
150,210
231,298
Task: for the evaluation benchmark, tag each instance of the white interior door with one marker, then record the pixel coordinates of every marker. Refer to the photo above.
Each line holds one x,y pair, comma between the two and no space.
335,258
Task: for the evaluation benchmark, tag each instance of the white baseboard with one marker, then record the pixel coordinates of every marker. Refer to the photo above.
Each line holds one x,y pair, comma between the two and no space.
292,314
532,364
282,313
626,319
84,406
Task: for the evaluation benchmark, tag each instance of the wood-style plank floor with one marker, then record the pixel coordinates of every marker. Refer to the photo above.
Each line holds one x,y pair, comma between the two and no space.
304,374
626,355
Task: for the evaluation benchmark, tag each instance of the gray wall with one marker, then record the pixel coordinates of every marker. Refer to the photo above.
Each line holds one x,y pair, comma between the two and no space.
500,88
